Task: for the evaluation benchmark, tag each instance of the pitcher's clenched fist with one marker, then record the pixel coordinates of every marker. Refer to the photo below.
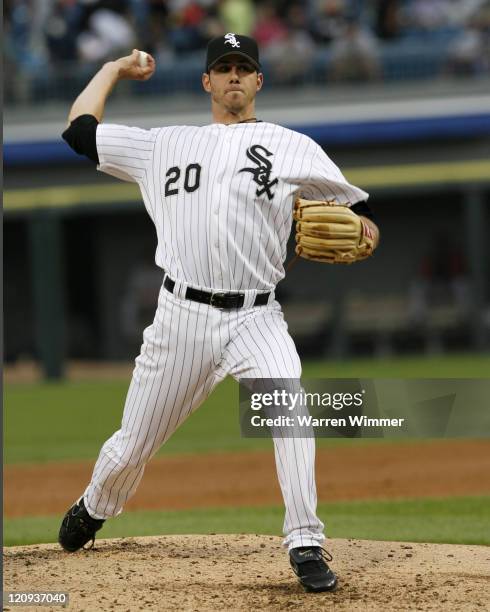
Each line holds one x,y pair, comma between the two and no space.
139,66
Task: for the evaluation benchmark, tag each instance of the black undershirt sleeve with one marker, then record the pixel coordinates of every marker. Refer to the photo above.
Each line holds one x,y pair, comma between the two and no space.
81,136
363,210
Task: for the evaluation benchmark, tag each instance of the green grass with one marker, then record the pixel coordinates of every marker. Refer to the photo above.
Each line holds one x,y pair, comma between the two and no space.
71,420
455,520
443,366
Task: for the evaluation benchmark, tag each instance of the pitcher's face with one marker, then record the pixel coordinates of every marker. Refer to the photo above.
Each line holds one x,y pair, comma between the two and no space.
233,83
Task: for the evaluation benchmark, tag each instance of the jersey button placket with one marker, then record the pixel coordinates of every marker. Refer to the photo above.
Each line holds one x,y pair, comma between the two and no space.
215,246
217,240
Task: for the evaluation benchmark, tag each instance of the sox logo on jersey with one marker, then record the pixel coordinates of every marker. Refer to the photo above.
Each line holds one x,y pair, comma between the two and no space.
222,225
261,174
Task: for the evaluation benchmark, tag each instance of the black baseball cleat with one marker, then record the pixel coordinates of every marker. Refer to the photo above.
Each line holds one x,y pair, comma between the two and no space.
78,528
309,564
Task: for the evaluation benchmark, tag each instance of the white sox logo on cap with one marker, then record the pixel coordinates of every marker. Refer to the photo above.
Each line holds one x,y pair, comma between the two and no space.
231,44
231,40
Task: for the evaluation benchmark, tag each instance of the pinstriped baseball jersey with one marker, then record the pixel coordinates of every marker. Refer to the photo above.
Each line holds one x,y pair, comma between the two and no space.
221,196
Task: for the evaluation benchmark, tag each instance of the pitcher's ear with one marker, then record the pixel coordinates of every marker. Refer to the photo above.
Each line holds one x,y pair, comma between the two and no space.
206,82
260,81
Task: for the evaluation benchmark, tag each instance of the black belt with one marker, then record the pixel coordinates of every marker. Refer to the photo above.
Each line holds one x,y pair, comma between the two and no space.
218,299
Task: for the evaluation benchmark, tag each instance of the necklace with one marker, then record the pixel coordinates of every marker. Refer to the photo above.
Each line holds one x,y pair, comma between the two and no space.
251,120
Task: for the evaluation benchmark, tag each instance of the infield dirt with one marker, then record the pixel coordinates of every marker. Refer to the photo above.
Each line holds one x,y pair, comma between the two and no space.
247,572
420,469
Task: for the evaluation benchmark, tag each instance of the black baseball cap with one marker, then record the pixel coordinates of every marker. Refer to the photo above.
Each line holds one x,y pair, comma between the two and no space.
232,43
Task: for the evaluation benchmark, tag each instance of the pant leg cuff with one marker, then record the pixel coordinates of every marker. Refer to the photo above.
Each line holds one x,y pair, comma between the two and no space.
298,541
92,512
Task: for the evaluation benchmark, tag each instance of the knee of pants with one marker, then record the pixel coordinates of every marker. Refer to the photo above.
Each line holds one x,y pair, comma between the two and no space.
132,457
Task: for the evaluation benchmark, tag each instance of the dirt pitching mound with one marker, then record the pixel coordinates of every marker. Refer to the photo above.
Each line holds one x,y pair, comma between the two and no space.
250,572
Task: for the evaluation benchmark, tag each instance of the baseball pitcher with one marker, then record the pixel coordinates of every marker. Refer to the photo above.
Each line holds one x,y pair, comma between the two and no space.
223,198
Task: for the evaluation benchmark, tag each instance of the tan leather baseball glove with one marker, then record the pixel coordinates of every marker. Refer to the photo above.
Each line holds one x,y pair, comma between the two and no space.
331,233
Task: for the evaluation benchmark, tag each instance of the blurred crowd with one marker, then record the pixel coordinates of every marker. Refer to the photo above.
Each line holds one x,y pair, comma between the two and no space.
43,34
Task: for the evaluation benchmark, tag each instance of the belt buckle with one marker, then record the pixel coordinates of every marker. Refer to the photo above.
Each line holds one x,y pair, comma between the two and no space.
218,295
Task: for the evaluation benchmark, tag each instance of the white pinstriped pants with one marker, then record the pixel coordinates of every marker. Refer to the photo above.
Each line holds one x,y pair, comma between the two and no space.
188,349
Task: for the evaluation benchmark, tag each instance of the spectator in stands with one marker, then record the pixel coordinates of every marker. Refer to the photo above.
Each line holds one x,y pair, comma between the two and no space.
62,26
442,279
269,27
291,55
24,39
237,16
461,13
109,34
466,54
150,19
328,20
429,15
388,26
355,55
469,53
41,35
185,33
